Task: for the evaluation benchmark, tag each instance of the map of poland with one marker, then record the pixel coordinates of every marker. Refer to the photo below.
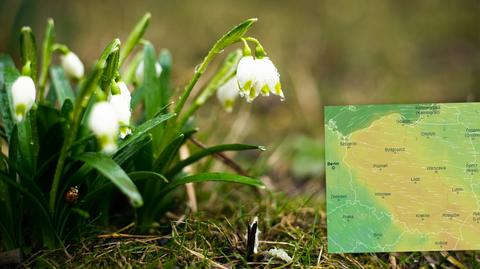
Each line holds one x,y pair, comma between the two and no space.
403,177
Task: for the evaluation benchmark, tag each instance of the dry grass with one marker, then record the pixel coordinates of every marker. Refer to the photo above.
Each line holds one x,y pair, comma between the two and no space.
208,239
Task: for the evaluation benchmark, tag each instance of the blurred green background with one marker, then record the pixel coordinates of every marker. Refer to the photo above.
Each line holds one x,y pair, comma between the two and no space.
328,52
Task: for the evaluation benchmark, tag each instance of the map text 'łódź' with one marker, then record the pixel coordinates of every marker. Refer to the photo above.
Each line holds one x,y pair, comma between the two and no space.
403,177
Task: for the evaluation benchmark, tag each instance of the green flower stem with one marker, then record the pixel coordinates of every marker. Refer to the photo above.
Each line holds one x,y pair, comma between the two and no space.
259,50
78,110
246,49
226,71
81,103
198,73
229,38
46,58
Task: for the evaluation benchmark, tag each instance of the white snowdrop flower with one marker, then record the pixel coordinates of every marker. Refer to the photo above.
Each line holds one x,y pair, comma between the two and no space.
121,104
140,68
246,77
268,79
23,96
103,122
280,253
227,93
72,65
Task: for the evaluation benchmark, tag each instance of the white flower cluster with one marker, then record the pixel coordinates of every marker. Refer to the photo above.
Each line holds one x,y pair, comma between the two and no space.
111,119
254,77
23,96
23,89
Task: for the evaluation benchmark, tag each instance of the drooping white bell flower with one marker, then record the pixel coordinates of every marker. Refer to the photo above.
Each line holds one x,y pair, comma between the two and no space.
227,93
268,78
140,69
121,104
23,96
103,122
246,77
72,65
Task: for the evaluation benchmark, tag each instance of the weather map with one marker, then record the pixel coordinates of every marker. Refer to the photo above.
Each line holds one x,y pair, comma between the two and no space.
403,177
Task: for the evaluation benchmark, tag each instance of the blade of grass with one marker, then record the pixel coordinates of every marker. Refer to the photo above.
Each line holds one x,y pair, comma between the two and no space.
203,177
111,170
209,151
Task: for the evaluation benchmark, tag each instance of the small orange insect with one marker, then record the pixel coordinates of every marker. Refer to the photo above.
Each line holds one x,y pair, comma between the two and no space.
72,194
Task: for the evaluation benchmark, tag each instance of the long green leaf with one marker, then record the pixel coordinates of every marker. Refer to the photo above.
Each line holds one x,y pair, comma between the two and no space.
63,89
45,221
169,153
111,170
137,175
28,142
135,37
165,61
203,177
46,56
209,151
8,74
145,127
151,82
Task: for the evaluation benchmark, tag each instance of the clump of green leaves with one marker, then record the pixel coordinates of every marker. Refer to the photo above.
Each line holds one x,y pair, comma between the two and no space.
57,179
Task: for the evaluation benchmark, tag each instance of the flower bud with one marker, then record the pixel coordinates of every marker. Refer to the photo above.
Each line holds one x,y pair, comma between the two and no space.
23,96
246,77
227,93
103,122
72,65
268,79
140,68
121,104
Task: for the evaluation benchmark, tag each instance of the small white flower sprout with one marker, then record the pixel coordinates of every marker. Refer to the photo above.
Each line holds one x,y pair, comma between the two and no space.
227,93
279,253
140,69
121,104
72,65
258,76
23,96
103,122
